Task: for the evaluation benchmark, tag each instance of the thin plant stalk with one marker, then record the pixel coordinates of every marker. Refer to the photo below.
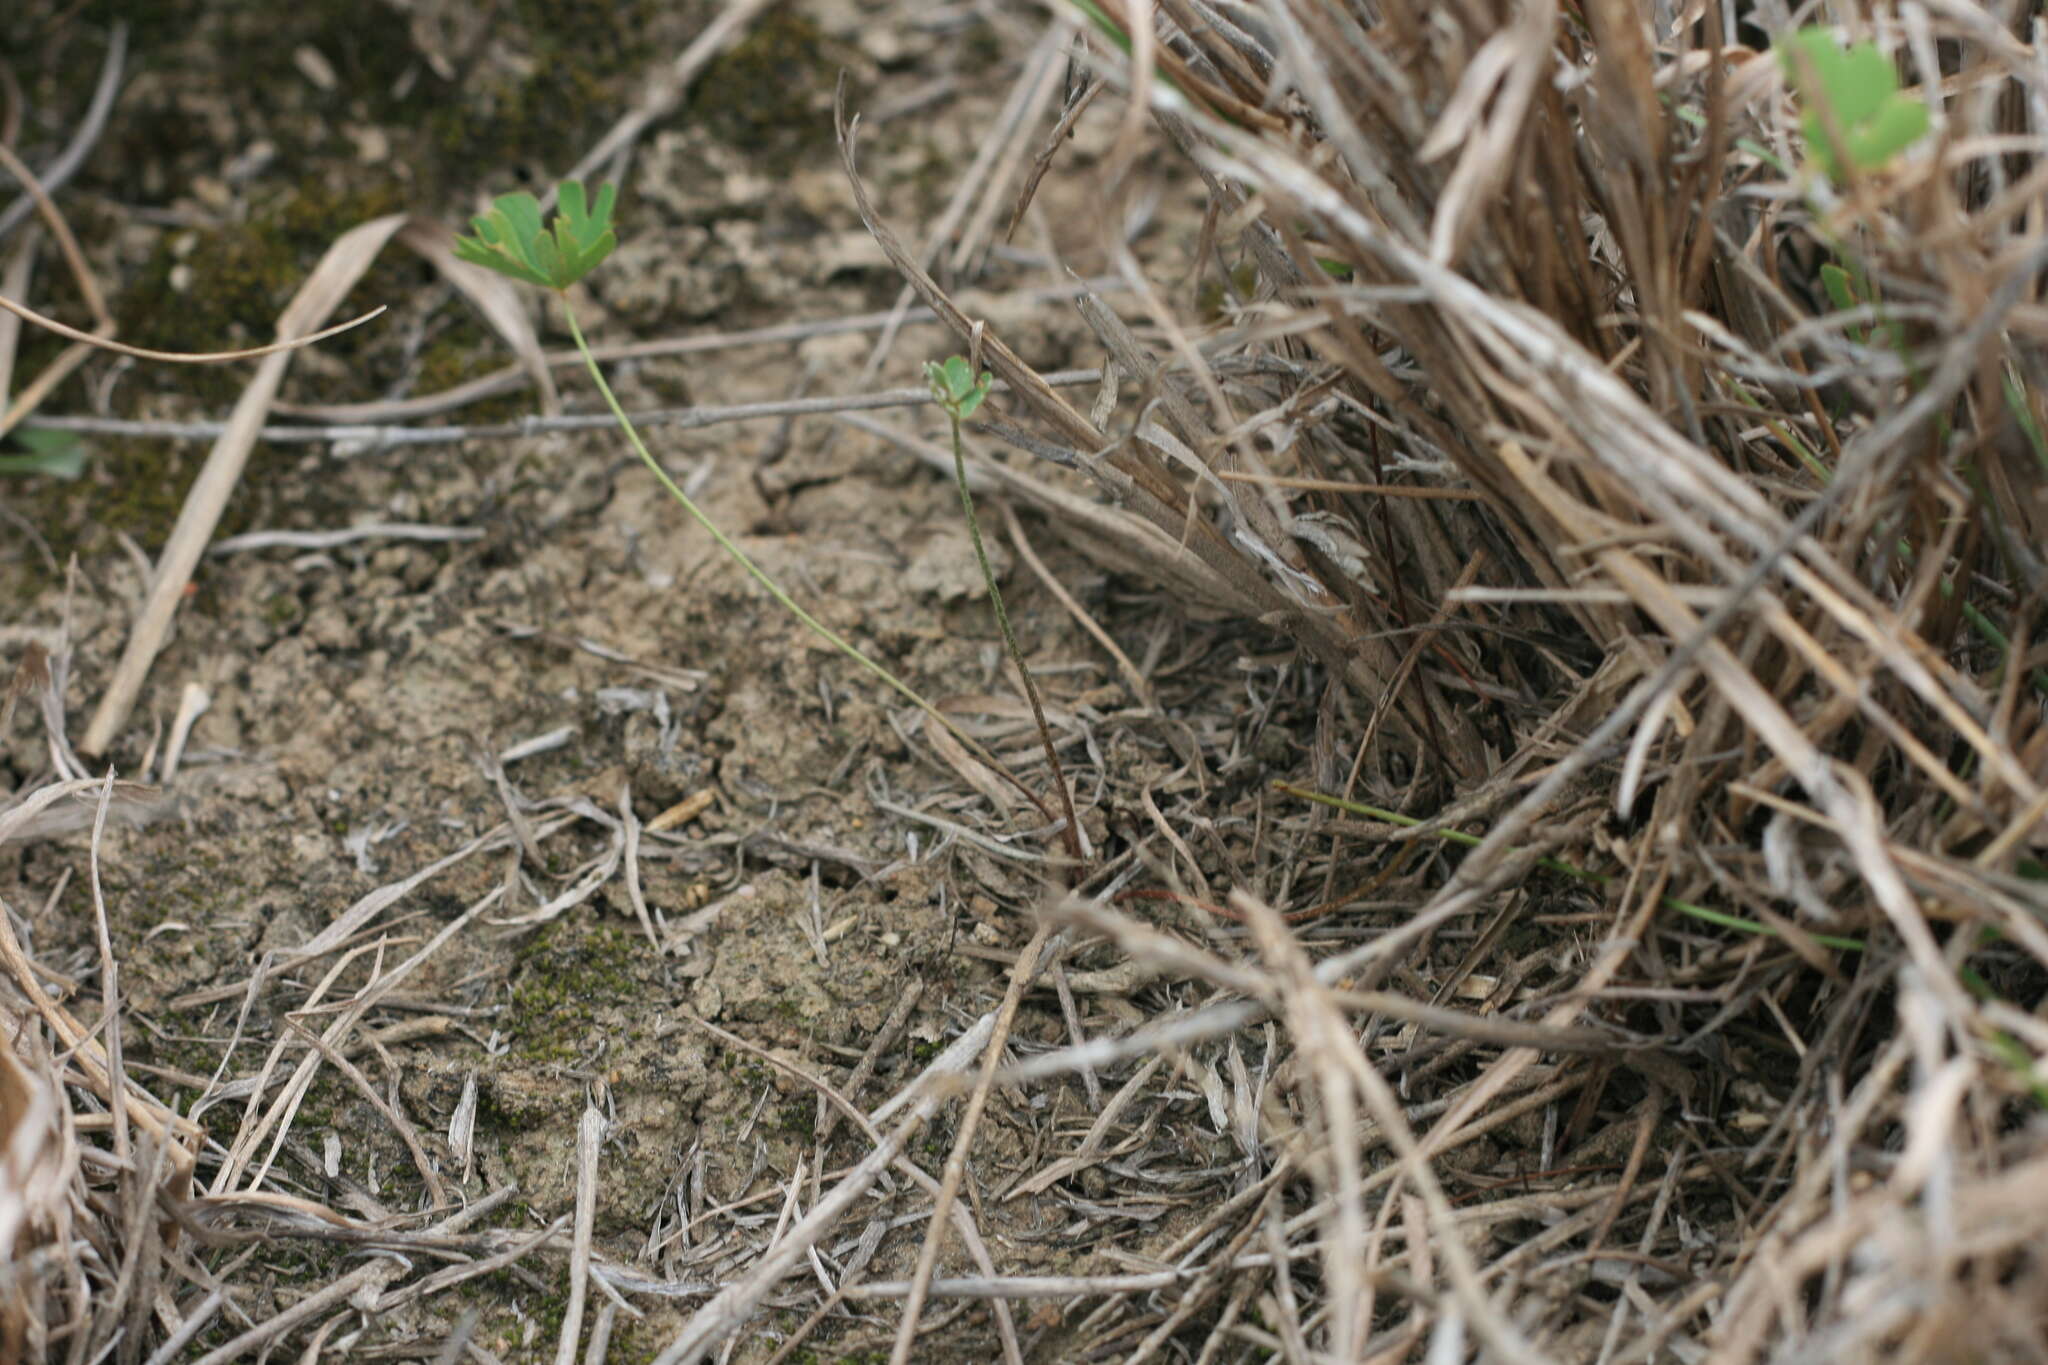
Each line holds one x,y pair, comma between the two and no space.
995,598
817,627
514,239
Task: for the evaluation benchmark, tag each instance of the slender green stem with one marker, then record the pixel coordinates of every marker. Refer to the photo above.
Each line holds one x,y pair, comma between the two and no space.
2003,1045
2023,414
995,597
1986,629
1702,913
817,627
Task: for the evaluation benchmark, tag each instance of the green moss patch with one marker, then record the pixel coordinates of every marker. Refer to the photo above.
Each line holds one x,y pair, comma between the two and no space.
568,975
771,93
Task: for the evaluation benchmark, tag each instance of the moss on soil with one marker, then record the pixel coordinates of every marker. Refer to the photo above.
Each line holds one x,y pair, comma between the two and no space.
235,279
582,62
767,94
565,976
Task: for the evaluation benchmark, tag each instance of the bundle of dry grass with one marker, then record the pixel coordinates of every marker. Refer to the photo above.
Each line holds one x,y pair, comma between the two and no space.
1669,509
86,1153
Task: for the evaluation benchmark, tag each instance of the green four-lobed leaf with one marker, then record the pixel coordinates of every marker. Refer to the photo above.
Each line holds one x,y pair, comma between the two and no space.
1859,88
955,386
512,240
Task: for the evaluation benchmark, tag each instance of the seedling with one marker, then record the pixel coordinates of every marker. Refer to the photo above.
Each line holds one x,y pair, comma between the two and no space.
1855,110
513,240
959,392
1843,292
58,454
955,387
1853,107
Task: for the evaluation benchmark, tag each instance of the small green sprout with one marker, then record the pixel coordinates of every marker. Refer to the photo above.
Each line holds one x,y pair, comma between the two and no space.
1841,291
956,388
1847,291
1857,92
57,454
511,240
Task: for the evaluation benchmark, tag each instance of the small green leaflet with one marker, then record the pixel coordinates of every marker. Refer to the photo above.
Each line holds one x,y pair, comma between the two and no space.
511,240
955,387
59,454
1861,90
1843,292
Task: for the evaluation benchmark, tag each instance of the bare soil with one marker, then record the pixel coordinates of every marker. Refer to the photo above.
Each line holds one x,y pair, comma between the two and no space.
359,694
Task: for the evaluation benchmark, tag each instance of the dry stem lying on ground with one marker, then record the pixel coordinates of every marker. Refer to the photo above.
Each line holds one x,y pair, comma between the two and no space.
1652,516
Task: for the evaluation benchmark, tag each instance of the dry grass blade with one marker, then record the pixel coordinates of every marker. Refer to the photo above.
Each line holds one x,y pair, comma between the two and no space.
337,272
956,1161
719,1318
275,348
668,87
589,1139
19,267
105,91
322,292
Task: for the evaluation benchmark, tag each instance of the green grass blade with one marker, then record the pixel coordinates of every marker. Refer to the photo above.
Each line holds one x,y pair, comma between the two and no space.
1702,913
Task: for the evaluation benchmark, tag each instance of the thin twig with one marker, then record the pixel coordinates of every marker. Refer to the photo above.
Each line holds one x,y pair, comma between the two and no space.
54,176
731,1307
963,1141
375,437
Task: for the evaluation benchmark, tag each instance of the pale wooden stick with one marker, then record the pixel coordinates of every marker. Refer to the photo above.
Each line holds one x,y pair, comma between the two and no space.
372,1277
664,94
337,272
956,1163
589,1136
